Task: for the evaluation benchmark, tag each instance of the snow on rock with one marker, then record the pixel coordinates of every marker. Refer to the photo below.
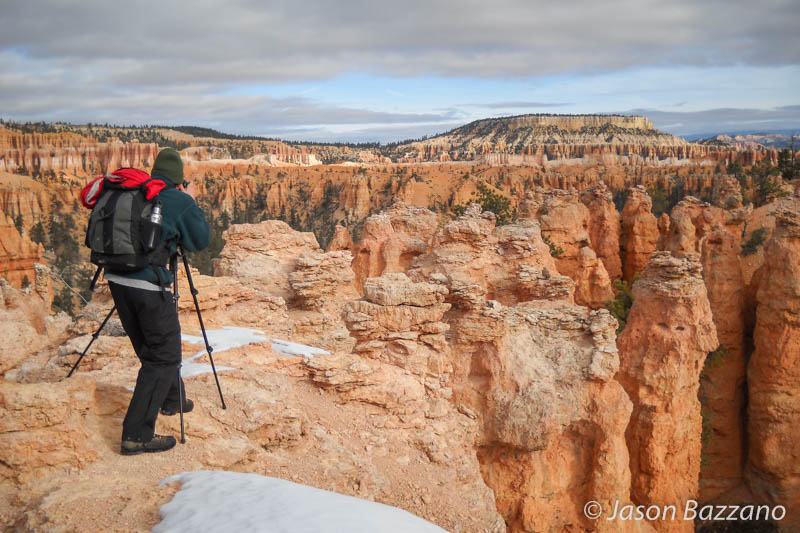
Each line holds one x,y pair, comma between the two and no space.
226,338
230,337
293,348
233,501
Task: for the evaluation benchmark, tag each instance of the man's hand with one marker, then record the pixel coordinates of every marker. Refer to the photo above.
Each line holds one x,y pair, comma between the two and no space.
190,189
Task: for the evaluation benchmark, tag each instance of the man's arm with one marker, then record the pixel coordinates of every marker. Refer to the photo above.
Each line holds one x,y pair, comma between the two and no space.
193,229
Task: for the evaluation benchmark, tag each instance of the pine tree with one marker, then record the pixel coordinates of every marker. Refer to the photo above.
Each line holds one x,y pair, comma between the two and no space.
38,234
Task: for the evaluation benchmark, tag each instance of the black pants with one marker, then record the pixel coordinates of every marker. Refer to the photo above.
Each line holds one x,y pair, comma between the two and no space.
151,322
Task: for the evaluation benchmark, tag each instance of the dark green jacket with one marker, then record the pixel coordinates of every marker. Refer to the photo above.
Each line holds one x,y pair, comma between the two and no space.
183,222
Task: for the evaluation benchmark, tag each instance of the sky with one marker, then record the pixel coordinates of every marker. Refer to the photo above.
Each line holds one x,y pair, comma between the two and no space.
365,71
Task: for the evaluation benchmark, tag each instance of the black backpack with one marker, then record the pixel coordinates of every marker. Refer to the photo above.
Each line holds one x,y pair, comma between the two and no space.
120,223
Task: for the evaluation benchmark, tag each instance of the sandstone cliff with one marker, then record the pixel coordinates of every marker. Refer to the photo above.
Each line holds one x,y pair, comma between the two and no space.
70,153
604,228
639,232
504,262
565,223
541,139
723,382
391,239
539,377
18,254
263,255
662,351
774,372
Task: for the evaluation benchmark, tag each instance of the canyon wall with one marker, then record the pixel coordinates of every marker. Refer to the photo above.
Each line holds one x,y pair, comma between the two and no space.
662,351
18,254
773,373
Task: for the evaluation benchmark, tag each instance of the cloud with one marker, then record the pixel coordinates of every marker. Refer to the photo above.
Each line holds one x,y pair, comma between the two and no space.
722,120
520,105
384,133
154,42
246,67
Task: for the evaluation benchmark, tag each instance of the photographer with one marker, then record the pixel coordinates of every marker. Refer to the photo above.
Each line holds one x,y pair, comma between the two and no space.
150,317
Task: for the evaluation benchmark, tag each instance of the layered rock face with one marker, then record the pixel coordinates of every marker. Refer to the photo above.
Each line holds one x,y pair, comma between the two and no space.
342,240
322,283
539,377
320,280
773,373
540,139
604,227
723,383
25,323
18,254
263,255
506,262
399,323
663,348
43,426
70,153
391,239
222,299
565,222
639,232
691,221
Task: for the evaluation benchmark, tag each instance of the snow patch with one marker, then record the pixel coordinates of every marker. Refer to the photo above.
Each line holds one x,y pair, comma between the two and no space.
233,501
293,348
230,337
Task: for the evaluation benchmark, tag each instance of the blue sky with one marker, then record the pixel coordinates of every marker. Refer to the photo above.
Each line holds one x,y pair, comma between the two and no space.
381,71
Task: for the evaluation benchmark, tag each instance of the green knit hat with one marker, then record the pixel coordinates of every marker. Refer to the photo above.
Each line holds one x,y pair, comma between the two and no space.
169,165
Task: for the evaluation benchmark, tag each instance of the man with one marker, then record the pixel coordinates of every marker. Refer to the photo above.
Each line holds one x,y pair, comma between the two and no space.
150,318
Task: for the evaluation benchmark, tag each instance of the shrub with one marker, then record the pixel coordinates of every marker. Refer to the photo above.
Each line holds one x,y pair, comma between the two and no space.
620,306
555,251
490,201
752,244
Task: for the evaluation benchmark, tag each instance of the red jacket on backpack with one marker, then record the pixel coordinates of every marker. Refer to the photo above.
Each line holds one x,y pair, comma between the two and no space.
127,177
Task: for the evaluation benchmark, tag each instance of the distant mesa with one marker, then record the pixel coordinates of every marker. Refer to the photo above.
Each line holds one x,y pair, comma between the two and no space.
574,123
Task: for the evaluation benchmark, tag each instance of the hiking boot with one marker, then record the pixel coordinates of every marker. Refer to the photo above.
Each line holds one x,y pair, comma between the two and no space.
188,405
159,443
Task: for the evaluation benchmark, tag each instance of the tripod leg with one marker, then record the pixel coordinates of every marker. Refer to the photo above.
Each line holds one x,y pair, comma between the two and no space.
94,338
173,266
180,402
94,279
209,349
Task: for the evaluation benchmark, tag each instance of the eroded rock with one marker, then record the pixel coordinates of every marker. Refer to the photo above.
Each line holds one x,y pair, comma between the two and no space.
663,348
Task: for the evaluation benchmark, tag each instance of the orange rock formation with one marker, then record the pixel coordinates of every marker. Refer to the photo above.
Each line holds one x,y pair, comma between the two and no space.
639,232
662,350
773,373
604,227
391,239
262,255
18,254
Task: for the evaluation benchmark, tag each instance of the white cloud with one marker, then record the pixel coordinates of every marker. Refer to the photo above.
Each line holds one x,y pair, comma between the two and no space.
168,62
240,41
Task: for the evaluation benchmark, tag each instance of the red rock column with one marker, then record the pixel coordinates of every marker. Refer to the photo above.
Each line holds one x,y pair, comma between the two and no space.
604,227
639,232
773,374
662,350
722,387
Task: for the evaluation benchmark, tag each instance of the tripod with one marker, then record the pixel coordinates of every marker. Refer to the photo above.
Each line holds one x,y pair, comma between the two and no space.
175,297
